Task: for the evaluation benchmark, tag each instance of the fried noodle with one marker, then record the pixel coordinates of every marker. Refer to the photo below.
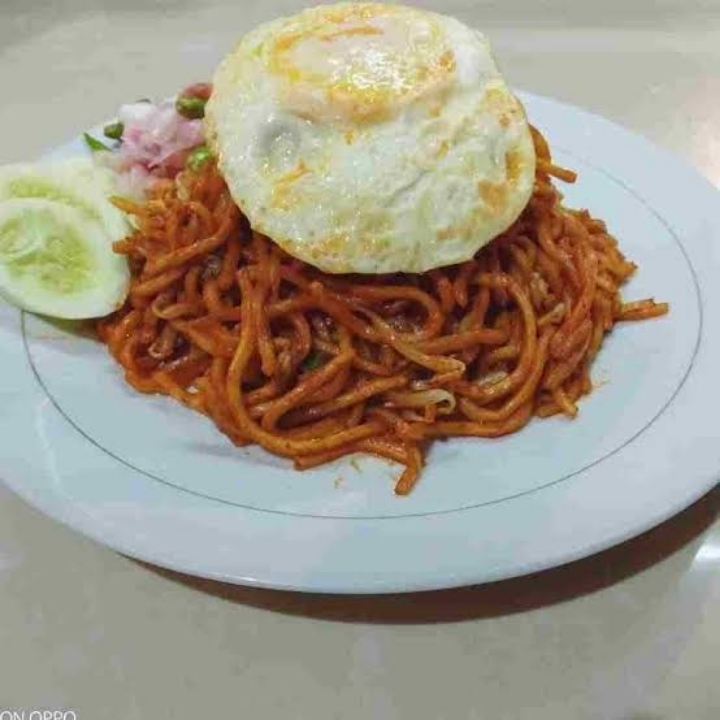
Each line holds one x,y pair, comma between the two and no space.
314,366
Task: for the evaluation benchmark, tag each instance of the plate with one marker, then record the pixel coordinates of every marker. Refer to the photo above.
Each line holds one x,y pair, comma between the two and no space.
155,481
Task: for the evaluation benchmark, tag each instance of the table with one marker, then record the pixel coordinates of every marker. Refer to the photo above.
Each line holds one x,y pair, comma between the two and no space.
630,634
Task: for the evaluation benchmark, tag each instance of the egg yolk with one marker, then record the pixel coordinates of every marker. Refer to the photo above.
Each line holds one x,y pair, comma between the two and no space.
359,63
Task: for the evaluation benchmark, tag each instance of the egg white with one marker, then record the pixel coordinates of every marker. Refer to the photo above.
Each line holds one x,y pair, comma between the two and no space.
371,138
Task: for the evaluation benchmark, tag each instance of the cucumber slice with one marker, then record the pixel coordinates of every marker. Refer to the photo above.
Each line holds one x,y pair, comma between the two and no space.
77,183
85,169
55,260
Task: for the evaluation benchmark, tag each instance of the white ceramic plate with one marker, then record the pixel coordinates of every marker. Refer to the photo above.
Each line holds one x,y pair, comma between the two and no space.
158,482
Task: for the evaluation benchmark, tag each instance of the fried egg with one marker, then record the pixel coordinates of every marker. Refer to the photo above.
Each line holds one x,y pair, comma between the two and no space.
371,138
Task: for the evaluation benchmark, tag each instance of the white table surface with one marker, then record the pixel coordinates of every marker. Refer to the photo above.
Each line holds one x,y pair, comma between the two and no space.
632,634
